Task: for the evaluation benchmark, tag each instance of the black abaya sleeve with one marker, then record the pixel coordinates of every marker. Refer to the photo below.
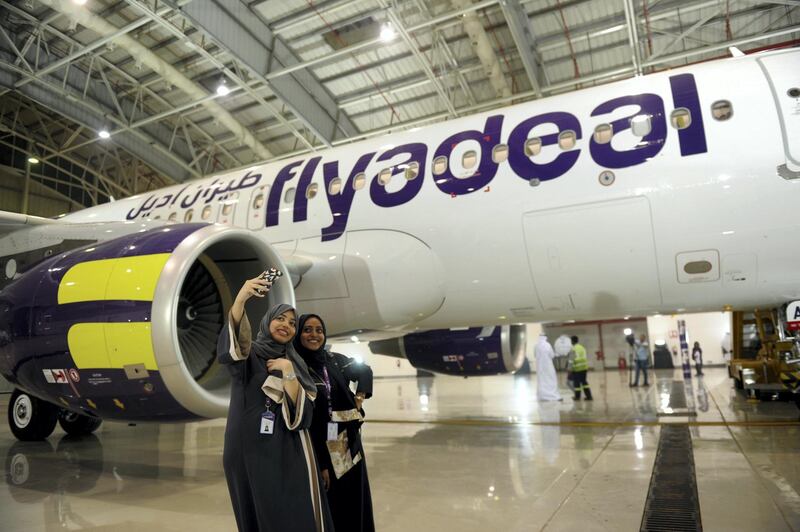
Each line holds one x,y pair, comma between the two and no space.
296,416
357,372
234,345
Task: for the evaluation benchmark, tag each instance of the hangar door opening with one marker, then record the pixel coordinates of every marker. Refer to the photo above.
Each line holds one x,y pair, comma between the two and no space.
598,258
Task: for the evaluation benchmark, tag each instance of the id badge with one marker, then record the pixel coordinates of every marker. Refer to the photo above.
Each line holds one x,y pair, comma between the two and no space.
333,431
267,422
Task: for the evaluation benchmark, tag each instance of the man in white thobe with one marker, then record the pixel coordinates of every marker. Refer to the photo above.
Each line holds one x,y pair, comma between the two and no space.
547,384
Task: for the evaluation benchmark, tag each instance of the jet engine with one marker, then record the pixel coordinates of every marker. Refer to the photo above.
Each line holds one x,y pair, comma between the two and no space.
127,328
469,352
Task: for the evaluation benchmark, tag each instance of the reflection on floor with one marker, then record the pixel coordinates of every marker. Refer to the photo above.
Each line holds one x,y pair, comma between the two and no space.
444,454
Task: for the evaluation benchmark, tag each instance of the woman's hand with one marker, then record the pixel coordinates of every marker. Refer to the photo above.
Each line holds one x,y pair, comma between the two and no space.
280,364
359,400
249,289
326,479
255,287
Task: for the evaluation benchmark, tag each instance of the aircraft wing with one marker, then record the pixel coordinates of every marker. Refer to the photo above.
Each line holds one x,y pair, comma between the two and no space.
12,221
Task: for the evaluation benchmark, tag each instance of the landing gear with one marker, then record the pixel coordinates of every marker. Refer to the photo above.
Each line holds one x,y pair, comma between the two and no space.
77,424
30,418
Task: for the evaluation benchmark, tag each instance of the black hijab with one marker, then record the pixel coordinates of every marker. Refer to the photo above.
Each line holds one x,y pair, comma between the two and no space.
266,348
314,359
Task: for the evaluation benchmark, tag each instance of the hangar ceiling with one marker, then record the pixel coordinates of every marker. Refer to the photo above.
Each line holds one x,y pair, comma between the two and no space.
302,75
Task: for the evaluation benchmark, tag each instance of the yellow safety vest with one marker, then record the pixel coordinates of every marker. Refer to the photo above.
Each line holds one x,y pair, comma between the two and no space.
580,363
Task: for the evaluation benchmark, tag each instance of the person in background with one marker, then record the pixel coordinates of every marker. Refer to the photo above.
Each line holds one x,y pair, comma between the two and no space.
579,369
642,359
272,475
546,382
697,356
336,426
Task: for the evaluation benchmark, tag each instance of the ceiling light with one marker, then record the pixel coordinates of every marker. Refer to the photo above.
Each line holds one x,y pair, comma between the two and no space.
387,32
33,160
222,89
79,2
627,331
103,134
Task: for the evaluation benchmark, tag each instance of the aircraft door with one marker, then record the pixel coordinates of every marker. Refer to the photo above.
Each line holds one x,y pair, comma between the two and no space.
257,209
597,257
783,75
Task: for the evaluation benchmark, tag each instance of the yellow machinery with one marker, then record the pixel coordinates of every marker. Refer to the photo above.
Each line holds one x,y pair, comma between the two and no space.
764,359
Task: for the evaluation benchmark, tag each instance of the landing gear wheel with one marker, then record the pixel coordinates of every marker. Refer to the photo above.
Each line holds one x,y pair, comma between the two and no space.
31,418
77,424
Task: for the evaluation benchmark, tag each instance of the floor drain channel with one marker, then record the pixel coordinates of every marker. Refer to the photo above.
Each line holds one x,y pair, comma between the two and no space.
672,503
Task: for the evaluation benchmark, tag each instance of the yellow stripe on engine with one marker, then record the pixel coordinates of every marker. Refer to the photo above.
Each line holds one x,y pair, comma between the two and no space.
111,345
126,278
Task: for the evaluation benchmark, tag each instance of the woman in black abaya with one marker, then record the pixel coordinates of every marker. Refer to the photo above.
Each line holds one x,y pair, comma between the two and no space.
336,426
268,457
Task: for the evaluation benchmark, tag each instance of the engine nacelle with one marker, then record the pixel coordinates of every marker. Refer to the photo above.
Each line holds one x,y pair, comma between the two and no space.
468,352
127,328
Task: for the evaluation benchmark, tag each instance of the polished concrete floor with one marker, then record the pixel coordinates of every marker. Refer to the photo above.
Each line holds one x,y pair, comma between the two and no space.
444,454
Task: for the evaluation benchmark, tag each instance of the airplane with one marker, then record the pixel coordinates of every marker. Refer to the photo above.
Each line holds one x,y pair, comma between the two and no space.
670,192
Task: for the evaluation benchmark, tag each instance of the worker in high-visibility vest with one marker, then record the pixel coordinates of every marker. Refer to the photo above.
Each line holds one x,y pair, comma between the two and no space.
580,366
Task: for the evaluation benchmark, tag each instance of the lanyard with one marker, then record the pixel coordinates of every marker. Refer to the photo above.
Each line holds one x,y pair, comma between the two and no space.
326,379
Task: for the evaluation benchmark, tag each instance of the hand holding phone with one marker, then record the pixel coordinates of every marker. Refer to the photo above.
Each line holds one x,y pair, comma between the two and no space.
270,276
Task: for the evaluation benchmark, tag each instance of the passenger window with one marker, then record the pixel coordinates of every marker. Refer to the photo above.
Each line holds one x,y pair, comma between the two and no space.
384,176
173,216
680,118
641,125
335,186
500,153
721,110
206,212
566,140
359,181
469,159
412,171
311,191
157,217
603,134
188,216
258,201
288,197
227,208
439,165
533,146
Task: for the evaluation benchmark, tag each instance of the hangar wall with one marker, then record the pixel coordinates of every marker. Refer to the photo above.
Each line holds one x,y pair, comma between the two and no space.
42,201
708,328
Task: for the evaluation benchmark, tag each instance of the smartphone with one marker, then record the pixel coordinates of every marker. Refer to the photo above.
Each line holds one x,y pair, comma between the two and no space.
270,275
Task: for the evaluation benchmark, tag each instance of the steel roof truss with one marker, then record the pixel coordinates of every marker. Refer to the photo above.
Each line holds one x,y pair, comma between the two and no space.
522,32
248,39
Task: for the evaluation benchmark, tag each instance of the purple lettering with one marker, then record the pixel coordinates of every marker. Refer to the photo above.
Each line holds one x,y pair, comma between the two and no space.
523,165
650,144
274,202
341,202
684,94
488,139
300,199
417,152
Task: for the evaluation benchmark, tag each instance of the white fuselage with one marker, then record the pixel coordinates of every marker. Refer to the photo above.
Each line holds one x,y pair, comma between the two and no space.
572,247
